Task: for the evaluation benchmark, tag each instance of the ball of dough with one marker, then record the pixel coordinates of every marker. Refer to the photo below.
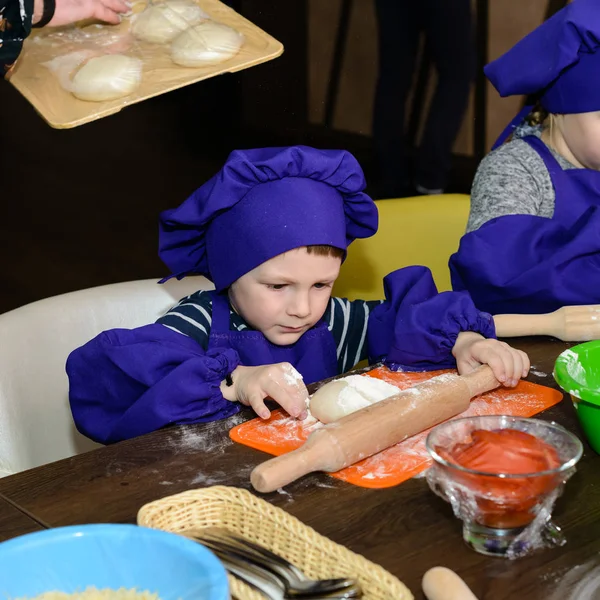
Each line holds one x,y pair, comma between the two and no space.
342,397
107,78
161,23
208,43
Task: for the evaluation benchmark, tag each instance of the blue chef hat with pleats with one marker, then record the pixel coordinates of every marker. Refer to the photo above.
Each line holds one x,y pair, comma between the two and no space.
559,61
262,203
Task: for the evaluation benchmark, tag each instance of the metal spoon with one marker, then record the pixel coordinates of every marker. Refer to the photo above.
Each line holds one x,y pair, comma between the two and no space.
294,583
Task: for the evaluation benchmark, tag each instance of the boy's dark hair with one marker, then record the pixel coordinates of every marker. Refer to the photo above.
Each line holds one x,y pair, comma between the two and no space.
323,250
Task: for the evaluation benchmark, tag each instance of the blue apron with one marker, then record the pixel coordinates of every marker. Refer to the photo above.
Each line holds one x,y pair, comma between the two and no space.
531,264
313,355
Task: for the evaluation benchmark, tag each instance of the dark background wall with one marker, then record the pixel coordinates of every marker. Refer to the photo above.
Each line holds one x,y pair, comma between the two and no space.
79,207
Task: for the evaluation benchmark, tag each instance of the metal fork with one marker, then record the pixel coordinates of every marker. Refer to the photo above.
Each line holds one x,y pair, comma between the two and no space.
263,581
294,583
297,584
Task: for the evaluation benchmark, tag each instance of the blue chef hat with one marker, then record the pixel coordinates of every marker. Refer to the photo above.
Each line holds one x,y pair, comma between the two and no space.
262,203
559,61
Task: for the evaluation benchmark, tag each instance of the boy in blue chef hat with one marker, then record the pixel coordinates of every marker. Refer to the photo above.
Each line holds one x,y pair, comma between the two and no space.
271,230
533,244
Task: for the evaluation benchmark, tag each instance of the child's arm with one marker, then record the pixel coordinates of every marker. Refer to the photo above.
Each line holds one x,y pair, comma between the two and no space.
512,180
417,328
527,264
250,385
125,383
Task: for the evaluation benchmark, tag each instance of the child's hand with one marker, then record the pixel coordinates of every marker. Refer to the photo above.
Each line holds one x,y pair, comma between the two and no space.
281,382
472,350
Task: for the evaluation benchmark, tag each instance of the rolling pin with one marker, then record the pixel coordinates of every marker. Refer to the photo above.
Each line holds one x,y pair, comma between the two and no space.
569,324
375,428
441,583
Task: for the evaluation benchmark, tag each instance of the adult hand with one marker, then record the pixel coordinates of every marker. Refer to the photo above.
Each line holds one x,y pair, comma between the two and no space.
70,11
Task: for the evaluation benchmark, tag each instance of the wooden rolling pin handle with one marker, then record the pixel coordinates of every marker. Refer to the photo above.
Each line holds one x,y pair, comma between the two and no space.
281,470
577,323
523,325
440,583
481,380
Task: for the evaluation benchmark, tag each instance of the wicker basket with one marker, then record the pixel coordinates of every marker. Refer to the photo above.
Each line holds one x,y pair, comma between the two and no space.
243,513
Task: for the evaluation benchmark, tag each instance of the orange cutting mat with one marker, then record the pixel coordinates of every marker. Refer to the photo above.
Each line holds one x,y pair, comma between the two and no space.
281,433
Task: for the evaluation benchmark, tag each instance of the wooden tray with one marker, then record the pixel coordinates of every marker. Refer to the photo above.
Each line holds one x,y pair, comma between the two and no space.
281,433
61,110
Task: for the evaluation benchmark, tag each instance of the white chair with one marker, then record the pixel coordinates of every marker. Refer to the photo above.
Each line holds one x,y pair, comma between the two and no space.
36,426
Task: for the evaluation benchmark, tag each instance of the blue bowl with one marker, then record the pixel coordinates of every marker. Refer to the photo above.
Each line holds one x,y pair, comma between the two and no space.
70,559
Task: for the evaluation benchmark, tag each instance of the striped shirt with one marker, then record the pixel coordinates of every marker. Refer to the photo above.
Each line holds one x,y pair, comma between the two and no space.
346,320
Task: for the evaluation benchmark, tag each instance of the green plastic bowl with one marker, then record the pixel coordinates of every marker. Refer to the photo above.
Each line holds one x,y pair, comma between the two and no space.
577,372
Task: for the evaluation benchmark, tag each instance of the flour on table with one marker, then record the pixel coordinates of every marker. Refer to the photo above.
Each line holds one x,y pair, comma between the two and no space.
211,437
582,582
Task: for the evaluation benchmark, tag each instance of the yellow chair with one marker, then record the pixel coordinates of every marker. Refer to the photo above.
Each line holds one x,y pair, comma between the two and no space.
424,230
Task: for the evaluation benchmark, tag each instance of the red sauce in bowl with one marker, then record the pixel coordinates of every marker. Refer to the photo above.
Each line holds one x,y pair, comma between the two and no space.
504,502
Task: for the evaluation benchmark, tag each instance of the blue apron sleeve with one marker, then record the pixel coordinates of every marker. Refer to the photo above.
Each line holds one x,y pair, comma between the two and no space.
416,327
530,264
125,383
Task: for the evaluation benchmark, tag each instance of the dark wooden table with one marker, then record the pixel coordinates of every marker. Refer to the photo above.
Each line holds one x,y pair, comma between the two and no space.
406,529
14,521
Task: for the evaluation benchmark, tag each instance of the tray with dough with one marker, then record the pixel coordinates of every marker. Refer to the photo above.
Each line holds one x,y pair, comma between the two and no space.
52,59
243,513
281,433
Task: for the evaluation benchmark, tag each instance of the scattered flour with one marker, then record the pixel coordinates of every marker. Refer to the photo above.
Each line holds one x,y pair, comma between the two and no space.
217,477
291,375
211,437
189,440
574,367
285,493
538,373
582,582
113,469
325,485
239,477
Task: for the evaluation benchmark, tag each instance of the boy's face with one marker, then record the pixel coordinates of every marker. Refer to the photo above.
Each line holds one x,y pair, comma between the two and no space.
287,295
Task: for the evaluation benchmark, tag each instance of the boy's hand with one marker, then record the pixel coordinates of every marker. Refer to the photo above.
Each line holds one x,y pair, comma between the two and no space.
280,382
472,350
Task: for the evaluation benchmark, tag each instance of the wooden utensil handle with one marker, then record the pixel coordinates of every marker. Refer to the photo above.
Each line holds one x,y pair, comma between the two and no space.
522,325
281,470
578,323
440,583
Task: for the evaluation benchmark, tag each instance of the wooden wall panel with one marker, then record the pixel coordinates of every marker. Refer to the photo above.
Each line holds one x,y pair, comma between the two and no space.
509,20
